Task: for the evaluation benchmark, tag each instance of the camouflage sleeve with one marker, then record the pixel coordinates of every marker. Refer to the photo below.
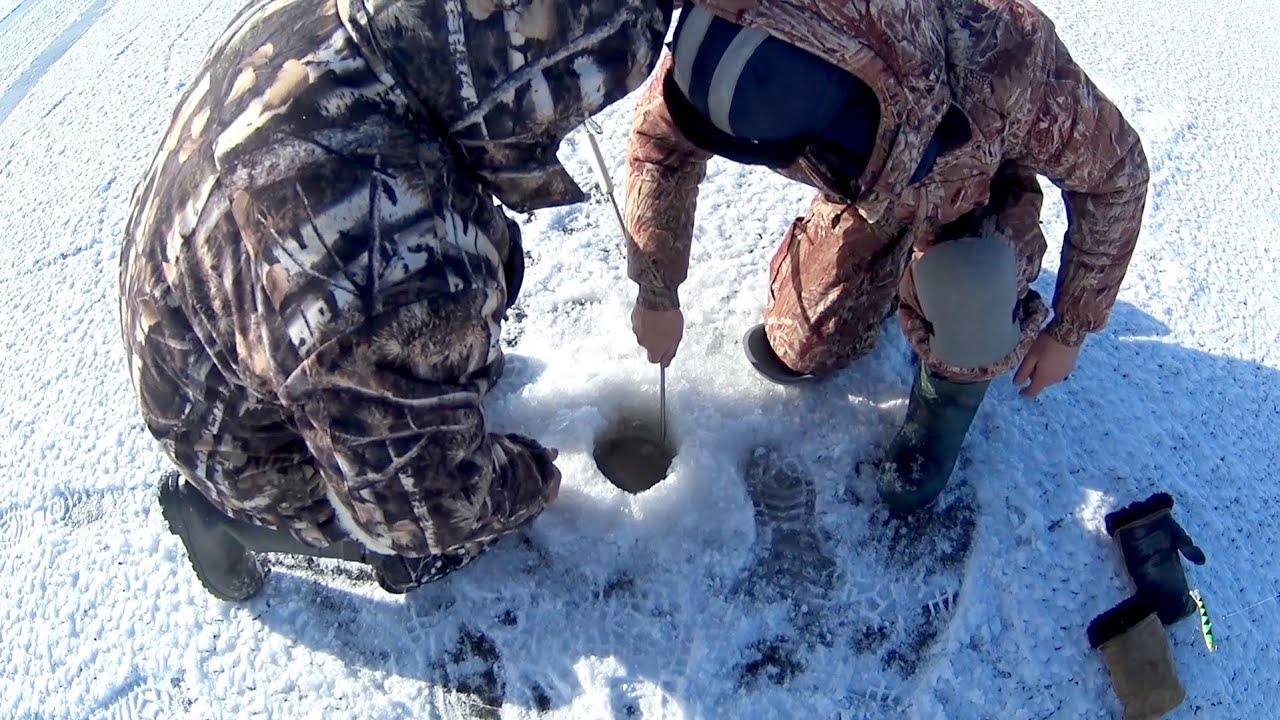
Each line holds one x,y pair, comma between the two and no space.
662,196
1080,141
392,410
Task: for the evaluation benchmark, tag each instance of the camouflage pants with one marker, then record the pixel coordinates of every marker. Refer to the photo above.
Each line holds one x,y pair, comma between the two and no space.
246,454
836,276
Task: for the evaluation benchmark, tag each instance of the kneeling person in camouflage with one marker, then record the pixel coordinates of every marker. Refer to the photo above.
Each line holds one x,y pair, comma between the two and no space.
315,273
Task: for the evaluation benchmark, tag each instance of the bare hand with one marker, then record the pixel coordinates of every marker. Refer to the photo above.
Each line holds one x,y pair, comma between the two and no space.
1048,362
658,332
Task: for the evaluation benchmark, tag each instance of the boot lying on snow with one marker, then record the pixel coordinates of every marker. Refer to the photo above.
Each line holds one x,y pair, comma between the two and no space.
920,458
1150,541
1136,650
221,549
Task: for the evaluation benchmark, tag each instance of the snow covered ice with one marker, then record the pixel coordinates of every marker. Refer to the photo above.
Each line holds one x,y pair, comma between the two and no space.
675,603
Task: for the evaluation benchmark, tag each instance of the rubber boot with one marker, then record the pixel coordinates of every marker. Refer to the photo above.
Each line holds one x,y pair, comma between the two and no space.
1137,654
920,458
394,573
222,563
221,548
766,362
1150,541
264,539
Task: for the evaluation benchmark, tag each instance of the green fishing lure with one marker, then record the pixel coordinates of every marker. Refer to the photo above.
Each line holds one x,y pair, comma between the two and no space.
1206,624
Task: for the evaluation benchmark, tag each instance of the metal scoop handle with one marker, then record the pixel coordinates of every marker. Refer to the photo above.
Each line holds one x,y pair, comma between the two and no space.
606,186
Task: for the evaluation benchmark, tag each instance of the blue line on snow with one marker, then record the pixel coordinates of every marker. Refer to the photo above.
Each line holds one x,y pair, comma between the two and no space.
15,12
46,59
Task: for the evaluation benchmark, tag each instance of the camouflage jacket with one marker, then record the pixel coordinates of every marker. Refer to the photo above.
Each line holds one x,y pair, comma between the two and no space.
312,272
998,61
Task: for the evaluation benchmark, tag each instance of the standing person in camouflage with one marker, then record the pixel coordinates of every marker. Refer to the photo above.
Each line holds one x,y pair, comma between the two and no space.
924,125
315,272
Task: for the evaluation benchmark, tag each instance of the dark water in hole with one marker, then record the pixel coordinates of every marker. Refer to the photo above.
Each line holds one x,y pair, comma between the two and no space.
633,455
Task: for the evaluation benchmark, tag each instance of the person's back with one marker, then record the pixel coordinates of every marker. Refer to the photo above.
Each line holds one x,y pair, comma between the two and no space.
314,272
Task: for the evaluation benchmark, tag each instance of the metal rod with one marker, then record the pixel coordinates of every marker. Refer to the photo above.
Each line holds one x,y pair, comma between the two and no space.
606,187
662,400
604,181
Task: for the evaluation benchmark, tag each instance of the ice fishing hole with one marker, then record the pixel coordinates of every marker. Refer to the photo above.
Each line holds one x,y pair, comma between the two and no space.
632,453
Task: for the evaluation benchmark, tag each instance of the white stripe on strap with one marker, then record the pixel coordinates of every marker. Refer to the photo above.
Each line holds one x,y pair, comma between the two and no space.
724,82
692,33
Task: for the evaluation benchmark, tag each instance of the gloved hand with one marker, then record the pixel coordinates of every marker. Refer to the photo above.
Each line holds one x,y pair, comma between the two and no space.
1150,541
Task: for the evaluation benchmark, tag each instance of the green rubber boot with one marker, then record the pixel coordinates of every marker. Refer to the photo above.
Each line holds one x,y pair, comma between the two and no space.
919,460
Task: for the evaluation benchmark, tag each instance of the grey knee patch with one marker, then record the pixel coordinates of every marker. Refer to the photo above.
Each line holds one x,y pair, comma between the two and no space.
968,291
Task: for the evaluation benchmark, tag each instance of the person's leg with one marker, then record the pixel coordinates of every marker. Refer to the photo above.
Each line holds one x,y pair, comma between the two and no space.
245,485
249,485
961,301
832,283
232,276
244,464
970,315
221,548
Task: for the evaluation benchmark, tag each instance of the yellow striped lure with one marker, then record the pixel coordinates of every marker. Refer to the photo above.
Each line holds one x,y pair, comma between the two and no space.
1206,625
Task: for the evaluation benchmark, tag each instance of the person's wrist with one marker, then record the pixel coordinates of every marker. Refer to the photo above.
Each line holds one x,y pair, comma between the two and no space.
1065,334
657,299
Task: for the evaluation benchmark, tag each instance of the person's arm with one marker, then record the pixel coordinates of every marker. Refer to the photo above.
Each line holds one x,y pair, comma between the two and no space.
1081,142
392,411
662,195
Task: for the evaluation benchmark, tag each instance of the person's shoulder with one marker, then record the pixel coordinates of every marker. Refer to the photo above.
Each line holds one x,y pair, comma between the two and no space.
997,35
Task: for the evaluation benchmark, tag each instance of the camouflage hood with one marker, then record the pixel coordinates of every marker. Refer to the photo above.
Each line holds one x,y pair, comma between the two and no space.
506,80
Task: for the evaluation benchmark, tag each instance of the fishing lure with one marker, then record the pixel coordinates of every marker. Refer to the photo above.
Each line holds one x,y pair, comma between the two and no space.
1206,625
